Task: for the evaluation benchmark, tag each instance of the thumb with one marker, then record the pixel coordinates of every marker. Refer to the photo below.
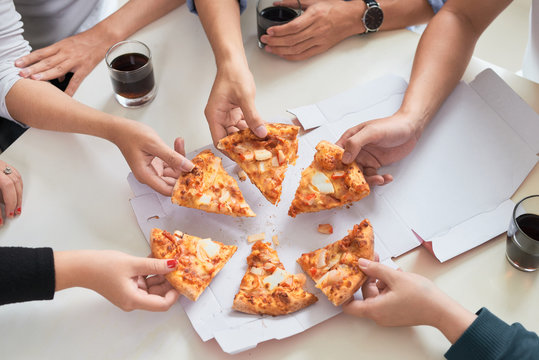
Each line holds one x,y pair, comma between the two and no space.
378,271
354,144
252,118
148,266
179,146
175,159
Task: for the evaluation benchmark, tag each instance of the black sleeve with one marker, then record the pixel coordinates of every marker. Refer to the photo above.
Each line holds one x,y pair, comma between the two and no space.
26,274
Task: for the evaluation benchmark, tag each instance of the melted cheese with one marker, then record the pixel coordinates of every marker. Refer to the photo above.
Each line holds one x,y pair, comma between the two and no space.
322,183
274,279
210,247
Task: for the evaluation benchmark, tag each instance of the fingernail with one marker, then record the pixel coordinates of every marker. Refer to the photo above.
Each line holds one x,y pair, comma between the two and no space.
346,157
11,214
261,131
23,73
19,210
270,31
18,63
171,264
267,48
36,76
1,221
363,263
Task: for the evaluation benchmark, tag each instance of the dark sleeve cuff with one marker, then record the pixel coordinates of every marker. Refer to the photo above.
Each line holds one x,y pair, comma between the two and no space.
192,8
26,274
490,338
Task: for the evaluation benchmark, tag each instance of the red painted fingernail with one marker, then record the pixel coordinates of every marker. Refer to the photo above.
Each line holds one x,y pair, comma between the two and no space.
10,214
19,210
171,264
1,221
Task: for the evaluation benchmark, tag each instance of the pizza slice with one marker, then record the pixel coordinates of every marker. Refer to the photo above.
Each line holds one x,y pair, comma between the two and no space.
210,188
265,160
328,183
199,260
334,268
266,288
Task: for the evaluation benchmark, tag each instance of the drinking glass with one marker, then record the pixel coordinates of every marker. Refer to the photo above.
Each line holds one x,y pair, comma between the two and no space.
131,73
268,15
522,249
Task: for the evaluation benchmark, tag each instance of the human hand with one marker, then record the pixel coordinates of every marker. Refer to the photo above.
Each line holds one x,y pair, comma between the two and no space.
78,54
396,298
120,278
151,160
231,105
377,143
10,191
321,26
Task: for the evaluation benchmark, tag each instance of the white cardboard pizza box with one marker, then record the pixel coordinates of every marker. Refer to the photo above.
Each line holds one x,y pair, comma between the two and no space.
425,198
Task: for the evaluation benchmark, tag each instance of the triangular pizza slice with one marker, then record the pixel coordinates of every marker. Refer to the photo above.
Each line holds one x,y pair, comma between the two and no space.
334,268
198,260
210,188
264,160
267,288
328,183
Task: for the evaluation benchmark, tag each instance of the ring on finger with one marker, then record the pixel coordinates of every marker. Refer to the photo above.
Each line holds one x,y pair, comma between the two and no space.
7,170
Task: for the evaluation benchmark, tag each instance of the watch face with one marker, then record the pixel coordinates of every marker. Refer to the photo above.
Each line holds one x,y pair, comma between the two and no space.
373,18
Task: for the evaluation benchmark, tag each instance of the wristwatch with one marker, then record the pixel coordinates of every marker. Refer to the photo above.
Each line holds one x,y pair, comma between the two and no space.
373,16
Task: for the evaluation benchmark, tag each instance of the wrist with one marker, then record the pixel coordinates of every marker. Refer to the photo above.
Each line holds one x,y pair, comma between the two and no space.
354,12
70,269
453,319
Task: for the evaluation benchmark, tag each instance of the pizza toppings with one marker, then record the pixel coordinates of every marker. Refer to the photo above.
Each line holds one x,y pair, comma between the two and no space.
255,237
199,260
325,229
322,184
267,288
264,160
334,268
242,175
328,183
209,188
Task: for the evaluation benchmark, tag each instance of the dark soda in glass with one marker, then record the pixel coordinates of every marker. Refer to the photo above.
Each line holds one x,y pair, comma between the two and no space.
271,16
134,78
523,242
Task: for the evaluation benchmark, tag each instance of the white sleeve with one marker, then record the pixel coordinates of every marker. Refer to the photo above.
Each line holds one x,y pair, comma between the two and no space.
12,47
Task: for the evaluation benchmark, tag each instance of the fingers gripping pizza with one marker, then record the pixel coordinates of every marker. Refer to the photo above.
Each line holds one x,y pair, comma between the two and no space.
210,188
199,260
334,268
265,160
328,183
267,288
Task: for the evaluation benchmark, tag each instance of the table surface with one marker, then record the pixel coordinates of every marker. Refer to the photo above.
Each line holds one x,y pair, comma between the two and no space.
76,197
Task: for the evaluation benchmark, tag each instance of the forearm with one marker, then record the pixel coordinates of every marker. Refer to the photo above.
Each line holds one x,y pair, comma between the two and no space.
139,14
39,104
221,22
442,56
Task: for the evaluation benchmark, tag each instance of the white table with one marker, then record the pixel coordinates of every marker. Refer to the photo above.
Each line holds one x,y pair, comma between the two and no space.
76,197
